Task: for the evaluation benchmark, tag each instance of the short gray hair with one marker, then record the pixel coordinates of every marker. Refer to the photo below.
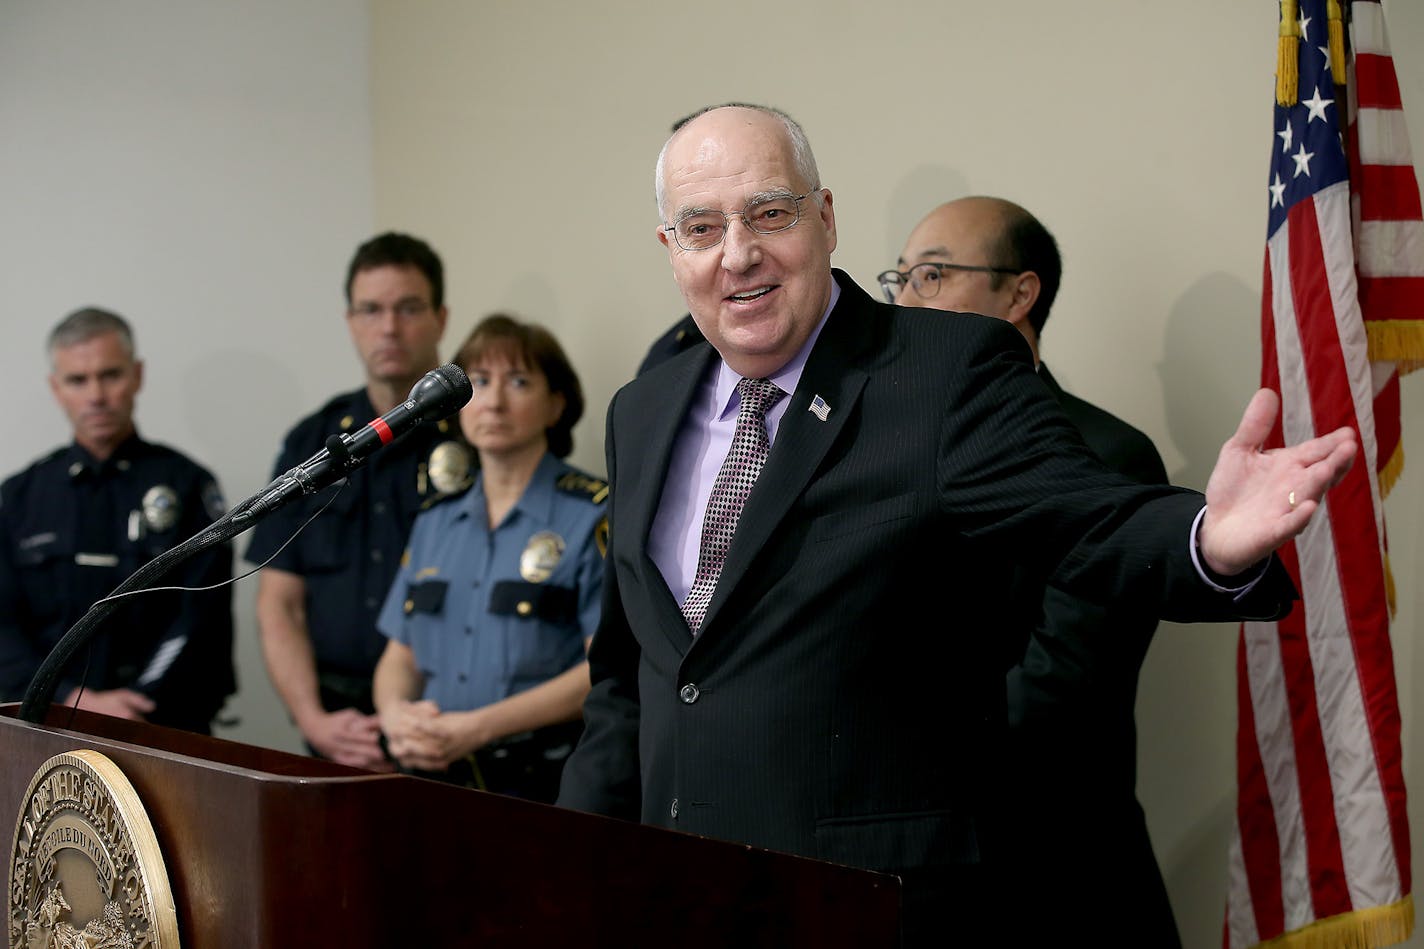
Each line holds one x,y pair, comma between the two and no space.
801,154
83,325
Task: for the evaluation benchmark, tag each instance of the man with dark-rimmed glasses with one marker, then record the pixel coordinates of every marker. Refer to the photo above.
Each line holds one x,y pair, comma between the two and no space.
1076,826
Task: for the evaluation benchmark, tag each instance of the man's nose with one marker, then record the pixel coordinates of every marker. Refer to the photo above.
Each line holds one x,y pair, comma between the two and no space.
741,247
389,320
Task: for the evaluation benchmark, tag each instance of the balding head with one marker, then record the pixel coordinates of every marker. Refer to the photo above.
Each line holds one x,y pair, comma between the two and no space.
1019,266
800,147
759,288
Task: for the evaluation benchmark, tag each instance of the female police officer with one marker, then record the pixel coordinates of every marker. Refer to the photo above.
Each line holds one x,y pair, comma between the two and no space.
483,677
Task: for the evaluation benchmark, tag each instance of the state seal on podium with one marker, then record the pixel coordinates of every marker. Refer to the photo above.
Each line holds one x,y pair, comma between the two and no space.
85,868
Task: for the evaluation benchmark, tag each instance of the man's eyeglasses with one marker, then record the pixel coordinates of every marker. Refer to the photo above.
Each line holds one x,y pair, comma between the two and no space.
925,278
405,310
704,228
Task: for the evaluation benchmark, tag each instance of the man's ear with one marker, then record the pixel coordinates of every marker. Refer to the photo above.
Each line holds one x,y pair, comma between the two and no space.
1026,288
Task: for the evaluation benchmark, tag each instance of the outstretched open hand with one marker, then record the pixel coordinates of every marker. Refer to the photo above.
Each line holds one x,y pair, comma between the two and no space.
1257,500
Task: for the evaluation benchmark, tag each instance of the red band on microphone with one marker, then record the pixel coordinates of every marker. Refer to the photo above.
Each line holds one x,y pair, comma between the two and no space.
382,430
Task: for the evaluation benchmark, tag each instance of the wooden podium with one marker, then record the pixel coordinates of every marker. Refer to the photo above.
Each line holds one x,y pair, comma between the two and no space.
267,849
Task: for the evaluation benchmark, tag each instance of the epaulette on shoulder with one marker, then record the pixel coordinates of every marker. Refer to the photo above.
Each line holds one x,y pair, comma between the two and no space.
29,473
586,486
441,498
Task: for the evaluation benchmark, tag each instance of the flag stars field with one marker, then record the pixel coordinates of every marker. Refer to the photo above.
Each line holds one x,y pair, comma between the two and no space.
1316,105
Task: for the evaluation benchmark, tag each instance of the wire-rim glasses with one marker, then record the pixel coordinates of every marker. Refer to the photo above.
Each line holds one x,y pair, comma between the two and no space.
705,228
926,278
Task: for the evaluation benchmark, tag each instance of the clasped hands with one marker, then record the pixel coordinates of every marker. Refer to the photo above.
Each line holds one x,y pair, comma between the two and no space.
1258,499
420,736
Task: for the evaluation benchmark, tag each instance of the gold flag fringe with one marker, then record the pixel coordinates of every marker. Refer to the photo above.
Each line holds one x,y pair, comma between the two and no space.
1288,56
1391,470
1399,341
1369,928
1337,42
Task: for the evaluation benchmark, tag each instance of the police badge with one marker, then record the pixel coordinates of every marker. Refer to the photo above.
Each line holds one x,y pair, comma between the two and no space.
540,557
449,467
160,508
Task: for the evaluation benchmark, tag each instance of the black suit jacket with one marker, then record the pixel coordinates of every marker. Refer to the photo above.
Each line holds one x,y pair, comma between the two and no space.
1076,828
849,672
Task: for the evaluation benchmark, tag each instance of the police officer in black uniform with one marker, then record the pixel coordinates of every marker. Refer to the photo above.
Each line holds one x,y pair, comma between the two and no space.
81,520
318,600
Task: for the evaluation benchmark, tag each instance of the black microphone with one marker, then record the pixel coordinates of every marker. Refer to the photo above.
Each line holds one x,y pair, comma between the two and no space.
439,393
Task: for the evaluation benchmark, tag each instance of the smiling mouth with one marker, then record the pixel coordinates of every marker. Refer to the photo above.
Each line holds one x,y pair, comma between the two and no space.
749,295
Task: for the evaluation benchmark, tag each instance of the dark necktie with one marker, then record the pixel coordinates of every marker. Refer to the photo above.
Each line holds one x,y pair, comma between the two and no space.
739,472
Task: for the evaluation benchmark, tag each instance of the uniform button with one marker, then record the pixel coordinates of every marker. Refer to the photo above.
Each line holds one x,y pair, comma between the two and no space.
524,608
372,602
408,606
688,693
376,556
469,630
673,809
462,677
379,507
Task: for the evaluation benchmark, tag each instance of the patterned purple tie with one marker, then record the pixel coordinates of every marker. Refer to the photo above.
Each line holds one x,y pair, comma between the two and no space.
750,447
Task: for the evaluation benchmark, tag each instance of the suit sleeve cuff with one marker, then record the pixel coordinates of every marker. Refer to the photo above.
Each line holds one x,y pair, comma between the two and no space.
1238,586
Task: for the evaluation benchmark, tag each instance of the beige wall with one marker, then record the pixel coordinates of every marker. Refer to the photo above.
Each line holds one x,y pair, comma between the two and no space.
207,169
520,137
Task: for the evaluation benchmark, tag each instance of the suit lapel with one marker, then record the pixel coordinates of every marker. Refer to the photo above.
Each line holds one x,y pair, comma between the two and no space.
662,409
832,372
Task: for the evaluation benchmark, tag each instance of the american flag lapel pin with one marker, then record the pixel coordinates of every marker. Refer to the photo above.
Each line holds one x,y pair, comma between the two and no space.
819,408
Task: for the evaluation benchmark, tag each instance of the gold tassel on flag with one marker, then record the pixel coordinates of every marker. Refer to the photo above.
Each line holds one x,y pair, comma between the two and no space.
1337,42
1288,56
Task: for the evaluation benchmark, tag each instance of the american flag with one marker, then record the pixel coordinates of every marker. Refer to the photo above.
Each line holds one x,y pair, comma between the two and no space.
1320,854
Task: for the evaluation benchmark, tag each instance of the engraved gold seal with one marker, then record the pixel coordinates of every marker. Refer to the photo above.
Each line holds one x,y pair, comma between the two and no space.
540,557
85,868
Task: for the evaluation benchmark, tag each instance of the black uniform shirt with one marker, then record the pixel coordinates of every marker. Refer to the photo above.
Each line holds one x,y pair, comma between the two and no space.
71,529
348,556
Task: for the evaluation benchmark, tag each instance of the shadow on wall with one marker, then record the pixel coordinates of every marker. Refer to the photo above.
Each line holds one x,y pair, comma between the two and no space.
1211,365
1201,858
920,191
1186,709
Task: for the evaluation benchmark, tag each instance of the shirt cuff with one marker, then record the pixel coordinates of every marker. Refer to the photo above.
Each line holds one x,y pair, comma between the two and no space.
1237,586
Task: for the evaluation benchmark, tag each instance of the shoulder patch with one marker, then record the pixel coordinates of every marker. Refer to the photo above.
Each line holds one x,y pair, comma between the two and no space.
576,482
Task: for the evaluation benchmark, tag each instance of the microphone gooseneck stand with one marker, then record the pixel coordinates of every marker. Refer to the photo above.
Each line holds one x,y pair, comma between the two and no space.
40,692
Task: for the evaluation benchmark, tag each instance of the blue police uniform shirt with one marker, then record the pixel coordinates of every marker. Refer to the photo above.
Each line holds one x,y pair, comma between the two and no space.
489,613
348,556
72,528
